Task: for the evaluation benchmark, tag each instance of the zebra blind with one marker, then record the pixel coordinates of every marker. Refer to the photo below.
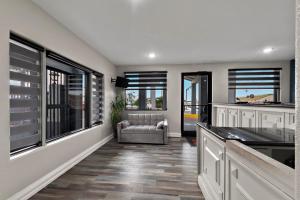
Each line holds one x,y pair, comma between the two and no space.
156,80
262,78
97,99
25,94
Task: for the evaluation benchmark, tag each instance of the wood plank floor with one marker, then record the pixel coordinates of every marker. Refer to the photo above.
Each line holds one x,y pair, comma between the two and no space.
131,172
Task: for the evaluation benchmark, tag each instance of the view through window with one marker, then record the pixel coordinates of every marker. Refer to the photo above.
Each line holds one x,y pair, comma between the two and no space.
254,85
146,91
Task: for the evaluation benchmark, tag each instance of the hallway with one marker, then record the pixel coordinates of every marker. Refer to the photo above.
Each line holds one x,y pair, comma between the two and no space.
131,172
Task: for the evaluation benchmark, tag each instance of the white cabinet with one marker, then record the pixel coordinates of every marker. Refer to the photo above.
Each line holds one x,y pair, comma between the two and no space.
233,117
290,124
245,184
221,114
290,121
255,118
272,123
248,176
248,119
212,173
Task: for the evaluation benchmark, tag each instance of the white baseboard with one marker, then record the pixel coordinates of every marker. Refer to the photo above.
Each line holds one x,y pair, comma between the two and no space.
174,134
35,187
203,188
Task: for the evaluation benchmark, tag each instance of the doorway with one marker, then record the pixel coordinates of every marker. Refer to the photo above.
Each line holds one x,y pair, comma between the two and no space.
196,98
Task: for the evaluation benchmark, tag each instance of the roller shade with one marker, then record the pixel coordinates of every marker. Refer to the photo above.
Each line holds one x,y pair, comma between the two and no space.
25,93
153,80
97,99
262,78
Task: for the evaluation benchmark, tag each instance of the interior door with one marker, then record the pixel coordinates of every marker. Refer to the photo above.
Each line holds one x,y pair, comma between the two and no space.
196,98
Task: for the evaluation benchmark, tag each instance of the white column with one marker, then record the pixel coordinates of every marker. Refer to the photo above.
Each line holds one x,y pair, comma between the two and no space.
297,142
153,98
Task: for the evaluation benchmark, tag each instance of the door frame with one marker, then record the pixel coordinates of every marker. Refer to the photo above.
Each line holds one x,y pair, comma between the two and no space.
209,74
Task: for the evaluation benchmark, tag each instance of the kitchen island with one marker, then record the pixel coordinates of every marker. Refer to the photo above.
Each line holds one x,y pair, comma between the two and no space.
241,163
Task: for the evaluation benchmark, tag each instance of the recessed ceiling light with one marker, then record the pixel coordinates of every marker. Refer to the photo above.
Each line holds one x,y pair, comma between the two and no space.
268,50
151,55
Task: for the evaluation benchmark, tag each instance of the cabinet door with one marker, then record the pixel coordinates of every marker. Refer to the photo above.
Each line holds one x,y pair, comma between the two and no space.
248,119
271,123
214,167
232,118
221,117
244,184
290,121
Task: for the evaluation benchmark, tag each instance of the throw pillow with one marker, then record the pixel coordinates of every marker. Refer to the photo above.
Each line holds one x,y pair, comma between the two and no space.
160,125
125,124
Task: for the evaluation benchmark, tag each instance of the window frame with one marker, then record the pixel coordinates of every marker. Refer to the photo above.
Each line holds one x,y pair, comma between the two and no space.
101,97
44,53
161,87
273,84
15,39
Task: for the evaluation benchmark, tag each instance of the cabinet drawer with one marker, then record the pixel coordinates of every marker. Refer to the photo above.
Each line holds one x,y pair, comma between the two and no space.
272,123
244,184
248,119
221,118
232,117
290,121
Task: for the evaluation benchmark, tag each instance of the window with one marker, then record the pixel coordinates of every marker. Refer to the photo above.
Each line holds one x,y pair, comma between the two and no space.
25,93
67,97
56,91
97,99
254,85
146,90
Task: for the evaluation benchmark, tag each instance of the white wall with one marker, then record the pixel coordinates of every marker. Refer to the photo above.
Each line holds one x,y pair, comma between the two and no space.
219,83
25,18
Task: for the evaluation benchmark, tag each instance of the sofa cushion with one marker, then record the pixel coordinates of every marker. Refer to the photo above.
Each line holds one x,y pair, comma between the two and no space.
141,129
145,119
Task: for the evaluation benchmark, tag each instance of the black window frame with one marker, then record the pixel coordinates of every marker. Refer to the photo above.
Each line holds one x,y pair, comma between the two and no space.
88,91
44,53
258,79
97,102
18,46
149,80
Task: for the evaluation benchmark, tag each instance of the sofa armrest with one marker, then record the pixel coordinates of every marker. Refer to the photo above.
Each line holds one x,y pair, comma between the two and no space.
119,128
166,131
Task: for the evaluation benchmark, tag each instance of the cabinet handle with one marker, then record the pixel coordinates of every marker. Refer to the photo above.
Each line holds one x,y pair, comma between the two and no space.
235,173
218,172
221,155
293,119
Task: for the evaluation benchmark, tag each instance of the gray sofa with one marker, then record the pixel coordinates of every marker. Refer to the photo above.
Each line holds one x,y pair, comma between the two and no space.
143,128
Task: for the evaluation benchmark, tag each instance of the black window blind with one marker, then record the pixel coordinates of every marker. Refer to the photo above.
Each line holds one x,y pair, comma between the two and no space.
66,110
156,80
97,99
25,93
254,78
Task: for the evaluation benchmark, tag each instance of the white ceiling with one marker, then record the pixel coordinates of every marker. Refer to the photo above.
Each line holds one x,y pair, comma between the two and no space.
180,31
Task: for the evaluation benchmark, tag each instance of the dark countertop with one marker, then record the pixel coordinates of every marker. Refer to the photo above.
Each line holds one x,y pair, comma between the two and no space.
249,137
281,105
268,139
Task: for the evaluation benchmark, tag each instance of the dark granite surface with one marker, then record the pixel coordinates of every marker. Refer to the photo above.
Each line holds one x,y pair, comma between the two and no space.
281,105
249,137
282,142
